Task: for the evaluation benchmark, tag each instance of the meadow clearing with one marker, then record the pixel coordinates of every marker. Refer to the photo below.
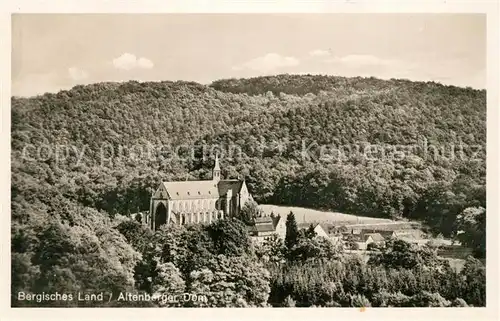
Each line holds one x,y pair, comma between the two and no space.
306,215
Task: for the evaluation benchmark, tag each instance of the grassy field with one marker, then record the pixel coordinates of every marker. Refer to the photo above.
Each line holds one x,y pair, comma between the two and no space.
306,215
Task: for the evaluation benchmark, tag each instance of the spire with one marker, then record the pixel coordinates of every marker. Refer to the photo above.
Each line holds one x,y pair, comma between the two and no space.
216,169
217,166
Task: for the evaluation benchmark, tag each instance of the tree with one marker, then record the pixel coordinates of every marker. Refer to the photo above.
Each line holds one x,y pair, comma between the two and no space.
387,299
141,238
73,258
250,212
310,232
351,242
231,282
305,249
471,229
272,250
401,254
374,246
474,282
317,248
187,247
292,233
23,277
168,281
138,235
329,250
289,302
427,299
360,300
459,302
229,237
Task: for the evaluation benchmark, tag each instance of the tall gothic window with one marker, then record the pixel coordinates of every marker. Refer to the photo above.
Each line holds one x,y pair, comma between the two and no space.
160,216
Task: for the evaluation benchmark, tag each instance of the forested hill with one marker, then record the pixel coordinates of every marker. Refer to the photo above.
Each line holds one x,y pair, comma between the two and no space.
80,157
287,127
305,84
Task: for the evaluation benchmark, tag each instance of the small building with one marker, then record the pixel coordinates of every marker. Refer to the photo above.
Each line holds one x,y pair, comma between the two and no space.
318,228
386,234
376,237
356,231
409,234
262,230
279,223
265,227
338,230
361,241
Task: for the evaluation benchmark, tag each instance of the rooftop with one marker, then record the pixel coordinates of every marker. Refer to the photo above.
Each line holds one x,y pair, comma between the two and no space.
376,237
181,190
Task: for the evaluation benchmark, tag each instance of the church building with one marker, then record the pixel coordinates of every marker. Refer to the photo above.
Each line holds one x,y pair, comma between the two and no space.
197,202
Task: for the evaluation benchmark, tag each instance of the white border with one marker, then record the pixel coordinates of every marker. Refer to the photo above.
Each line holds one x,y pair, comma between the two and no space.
491,312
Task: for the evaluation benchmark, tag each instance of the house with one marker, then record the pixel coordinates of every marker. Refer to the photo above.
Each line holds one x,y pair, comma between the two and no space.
262,230
376,238
318,228
386,234
362,240
265,227
347,230
356,241
195,202
409,234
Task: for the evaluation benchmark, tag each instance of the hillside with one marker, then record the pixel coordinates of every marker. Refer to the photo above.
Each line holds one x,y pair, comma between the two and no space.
82,156
276,134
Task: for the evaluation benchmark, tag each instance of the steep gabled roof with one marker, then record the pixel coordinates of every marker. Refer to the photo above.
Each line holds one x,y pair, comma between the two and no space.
264,227
230,184
376,237
307,225
276,220
263,224
301,226
386,234
324,227
357,238
409,233
264,219
201,189
192,189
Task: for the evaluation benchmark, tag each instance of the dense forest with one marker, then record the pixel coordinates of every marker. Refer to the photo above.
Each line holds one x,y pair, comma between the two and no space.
83,158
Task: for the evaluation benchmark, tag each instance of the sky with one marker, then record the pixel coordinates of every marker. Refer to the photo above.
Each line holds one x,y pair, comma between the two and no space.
52,52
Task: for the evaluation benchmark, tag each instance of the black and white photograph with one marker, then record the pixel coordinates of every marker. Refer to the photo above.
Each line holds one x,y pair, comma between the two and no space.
249,160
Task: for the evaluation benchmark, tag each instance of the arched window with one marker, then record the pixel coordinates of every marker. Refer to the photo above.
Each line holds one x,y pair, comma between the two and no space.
160,216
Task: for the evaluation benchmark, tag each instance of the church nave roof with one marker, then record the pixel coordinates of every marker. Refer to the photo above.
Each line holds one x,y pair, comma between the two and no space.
191,189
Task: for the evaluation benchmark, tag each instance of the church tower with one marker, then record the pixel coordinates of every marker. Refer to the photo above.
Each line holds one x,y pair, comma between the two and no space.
216,169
